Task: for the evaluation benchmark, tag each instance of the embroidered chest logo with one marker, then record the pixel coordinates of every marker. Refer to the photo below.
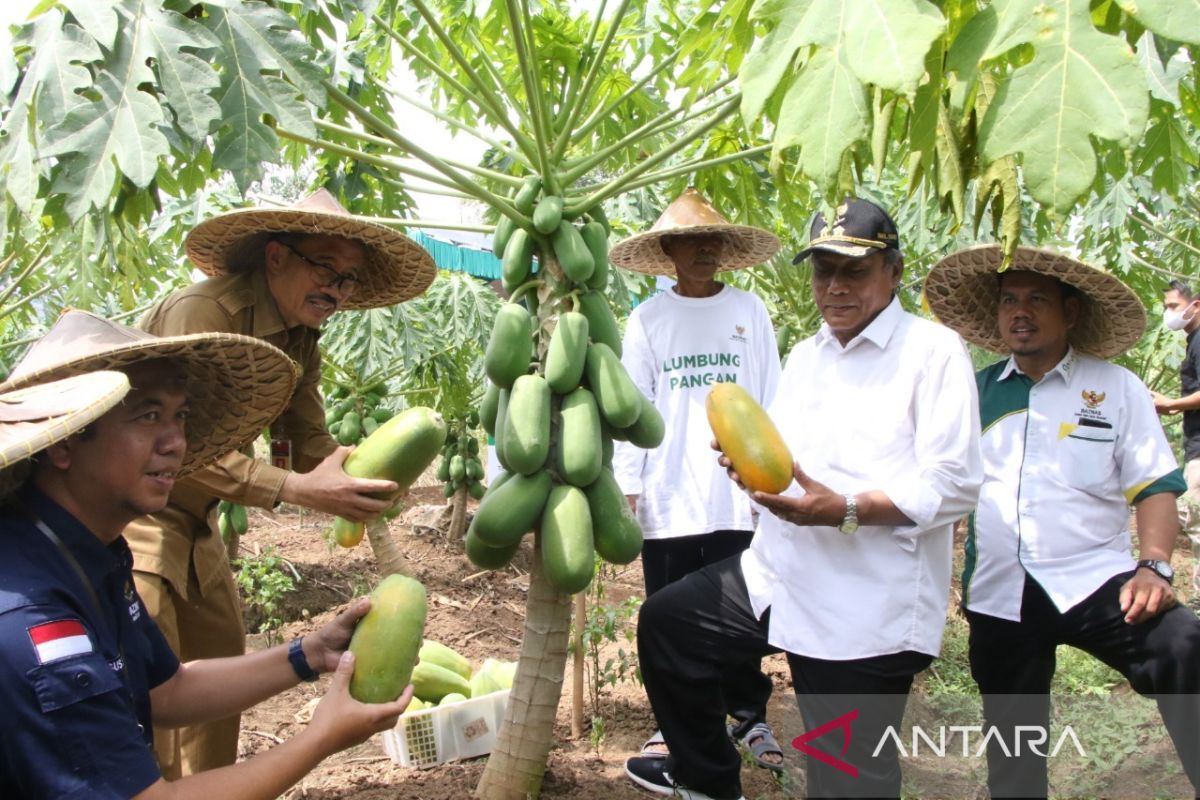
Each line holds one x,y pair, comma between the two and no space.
739,334
131,600
1090,420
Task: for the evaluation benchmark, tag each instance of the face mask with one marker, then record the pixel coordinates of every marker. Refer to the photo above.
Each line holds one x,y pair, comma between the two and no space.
1175,320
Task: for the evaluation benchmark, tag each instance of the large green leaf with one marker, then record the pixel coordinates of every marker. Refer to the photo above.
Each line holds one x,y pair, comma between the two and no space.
49,91
268,70
1080,83
857,42
1175,19
123,126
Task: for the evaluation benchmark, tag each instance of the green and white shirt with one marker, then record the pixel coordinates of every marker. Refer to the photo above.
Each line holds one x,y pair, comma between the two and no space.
1064,458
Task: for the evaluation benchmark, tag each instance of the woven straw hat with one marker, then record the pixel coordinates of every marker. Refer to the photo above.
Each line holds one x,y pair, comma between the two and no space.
236,385
397,267
33,418
964,293
691,213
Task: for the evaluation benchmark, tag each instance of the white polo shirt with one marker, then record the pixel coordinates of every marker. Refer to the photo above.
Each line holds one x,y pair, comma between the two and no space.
894,410
1064,458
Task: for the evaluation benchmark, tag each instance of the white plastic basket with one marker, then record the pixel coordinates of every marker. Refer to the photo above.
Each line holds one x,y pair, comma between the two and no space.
434,736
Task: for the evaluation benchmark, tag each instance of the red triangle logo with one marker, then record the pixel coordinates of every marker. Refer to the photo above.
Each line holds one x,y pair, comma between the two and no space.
842,723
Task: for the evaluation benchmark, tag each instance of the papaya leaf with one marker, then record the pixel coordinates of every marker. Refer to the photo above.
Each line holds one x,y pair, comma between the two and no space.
119,130
1080,83
1175,19
268,69
857,42
49,90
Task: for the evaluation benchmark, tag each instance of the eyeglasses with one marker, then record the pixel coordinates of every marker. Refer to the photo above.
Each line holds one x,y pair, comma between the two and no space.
326,275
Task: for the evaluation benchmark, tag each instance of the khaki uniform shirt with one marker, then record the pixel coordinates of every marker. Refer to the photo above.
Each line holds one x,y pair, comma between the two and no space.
182,534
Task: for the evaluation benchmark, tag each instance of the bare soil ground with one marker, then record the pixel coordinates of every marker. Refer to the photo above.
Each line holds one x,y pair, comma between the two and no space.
481,615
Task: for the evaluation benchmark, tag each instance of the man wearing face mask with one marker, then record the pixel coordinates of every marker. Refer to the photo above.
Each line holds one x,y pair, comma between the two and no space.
1181,312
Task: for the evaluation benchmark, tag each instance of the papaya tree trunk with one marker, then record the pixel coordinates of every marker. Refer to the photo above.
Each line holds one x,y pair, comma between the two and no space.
458,514
516,767
387,555
577,663
232,545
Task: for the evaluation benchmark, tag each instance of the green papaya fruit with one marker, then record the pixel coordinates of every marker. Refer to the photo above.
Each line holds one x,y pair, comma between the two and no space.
501,424
596,214
510,347
457,468
572,253
517,264
351,428
386,640
447,657
568,554
617,397
505,227
527,425
548,214
485,557
369,425
526,196
602,325
579,455
443,473
238,519
596,238
616,532
649,429
487,408
510,508
567,352
476,490
432,682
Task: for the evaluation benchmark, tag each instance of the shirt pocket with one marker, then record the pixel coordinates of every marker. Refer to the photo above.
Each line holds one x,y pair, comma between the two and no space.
1087,461
63,683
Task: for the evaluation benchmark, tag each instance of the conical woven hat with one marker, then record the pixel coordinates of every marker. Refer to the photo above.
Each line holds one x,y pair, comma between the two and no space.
397,268
236,385
36,417
745,245
964,293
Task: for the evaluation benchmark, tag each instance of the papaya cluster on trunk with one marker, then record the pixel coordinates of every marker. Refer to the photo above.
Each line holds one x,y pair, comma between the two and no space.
460,465
554,418
231,520
399,451
354,414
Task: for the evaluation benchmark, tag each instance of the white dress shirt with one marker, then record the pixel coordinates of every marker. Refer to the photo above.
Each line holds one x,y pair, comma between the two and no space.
894,410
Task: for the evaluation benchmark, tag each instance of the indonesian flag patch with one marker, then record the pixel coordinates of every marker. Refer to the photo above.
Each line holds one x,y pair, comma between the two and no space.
61,639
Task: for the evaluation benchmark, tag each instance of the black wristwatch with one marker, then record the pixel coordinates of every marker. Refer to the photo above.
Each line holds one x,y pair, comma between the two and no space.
299,663
1160,568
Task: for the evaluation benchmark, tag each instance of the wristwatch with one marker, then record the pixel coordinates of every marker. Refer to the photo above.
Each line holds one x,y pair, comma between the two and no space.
1160,568
850,521
299,663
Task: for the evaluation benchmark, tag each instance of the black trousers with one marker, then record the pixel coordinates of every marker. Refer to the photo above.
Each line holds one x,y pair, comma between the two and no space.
693,631
665,561
1013,663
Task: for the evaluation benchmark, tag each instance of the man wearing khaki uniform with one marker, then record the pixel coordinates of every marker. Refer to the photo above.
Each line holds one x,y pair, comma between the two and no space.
277,275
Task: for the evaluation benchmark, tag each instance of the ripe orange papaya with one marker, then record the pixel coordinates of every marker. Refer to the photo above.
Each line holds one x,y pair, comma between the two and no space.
749,438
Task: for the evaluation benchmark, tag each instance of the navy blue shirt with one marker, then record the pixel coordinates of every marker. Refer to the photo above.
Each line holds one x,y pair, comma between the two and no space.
75,679
1189,383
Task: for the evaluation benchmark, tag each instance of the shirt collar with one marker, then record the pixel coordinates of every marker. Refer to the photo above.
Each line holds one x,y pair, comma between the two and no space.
879,332
1062,368
97,559
267,319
